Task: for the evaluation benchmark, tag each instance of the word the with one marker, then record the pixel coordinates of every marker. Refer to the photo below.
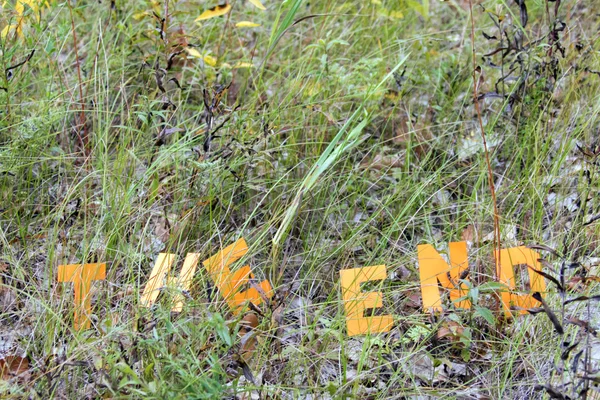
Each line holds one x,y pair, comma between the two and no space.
229,284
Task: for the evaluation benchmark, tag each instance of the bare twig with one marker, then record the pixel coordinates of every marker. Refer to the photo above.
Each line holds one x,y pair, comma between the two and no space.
485,147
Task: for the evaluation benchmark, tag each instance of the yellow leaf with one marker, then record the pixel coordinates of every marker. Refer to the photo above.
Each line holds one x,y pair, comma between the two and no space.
257,4
210,60
31,3
243,65
20,28
396,14
140,15
193,52
391,96
216,11
156,7
312,88
247,24
19,9
7,29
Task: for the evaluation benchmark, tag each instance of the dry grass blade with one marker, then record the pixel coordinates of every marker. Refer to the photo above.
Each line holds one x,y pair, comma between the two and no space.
549,277
565,354
557,326
582,298
581,323
542,247
552,392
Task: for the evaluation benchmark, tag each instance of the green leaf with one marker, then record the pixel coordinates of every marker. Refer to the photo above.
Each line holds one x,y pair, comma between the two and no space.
474,294
422,8
492,287
340,143
279,29
465,354
130,377
486,313
219,325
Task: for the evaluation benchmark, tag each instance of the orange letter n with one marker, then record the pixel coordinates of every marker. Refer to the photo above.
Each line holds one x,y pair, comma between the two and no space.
433,269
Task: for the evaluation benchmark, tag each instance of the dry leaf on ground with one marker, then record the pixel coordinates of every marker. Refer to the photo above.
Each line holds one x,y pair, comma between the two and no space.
11,366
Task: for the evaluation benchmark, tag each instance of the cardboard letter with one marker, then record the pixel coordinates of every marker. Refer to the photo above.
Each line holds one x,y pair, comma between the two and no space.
433,269
157,279
228,283
184,281
82,276
515,256
356,302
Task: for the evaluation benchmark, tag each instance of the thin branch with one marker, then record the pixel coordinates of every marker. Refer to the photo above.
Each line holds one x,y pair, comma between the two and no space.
485,147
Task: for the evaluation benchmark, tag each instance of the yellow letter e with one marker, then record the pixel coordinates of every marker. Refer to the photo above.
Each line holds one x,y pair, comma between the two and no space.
356,302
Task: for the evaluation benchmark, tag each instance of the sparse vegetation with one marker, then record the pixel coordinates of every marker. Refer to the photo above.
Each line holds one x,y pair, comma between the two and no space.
330,135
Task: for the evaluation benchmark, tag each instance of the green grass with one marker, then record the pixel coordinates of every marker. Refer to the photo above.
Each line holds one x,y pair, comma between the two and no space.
323,163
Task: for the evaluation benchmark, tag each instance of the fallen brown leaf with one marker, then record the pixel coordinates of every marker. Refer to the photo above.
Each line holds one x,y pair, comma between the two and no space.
383,162
452,329
468,234
248,336
11,366
250,321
